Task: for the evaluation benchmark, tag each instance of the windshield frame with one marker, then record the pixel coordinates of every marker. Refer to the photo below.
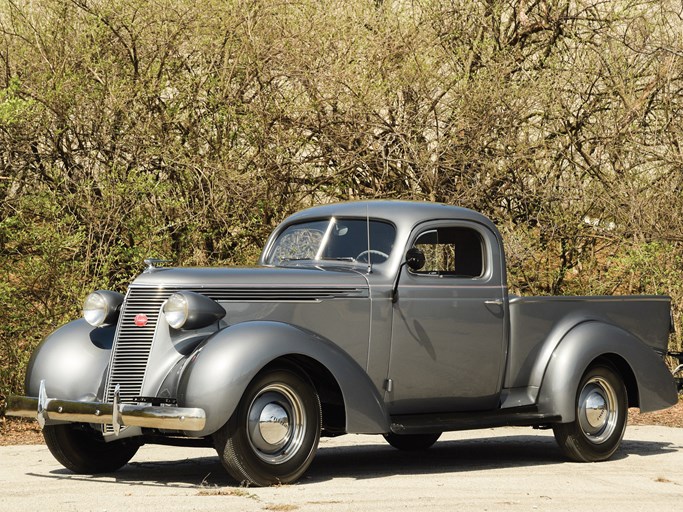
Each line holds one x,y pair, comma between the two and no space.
319,259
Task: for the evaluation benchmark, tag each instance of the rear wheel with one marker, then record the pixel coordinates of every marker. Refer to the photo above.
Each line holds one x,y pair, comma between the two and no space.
273,435
83,450
411,442
601,409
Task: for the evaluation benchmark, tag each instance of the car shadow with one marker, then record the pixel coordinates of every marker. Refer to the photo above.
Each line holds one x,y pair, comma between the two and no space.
369,461
377,461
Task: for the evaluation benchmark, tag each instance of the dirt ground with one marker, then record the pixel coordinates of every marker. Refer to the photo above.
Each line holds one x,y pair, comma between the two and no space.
672,417
509,469
18,431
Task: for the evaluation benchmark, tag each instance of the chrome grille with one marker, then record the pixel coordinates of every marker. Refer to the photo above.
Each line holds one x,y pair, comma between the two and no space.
132,344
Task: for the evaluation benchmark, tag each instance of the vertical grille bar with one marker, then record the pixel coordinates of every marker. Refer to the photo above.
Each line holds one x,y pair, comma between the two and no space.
132,343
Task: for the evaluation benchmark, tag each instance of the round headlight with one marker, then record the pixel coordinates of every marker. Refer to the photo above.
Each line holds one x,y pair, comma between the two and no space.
190,310
102,307
176,310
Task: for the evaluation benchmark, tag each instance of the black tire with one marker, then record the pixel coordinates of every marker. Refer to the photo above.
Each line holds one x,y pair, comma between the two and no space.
411,442
82,450
601,412
279,450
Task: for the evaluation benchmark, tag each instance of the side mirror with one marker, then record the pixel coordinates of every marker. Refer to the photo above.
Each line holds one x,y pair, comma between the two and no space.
415,259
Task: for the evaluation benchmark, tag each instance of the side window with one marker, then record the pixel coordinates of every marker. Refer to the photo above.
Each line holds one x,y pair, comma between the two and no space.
451,251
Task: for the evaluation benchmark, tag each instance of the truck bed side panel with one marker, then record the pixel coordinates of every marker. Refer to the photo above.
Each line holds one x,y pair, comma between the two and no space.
537,325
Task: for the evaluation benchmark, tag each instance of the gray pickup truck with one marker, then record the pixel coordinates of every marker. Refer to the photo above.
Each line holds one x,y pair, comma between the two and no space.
379,317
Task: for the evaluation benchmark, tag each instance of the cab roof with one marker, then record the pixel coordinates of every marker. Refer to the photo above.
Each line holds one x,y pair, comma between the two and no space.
401,213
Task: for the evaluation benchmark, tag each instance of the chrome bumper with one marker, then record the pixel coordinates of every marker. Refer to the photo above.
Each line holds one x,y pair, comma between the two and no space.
117,414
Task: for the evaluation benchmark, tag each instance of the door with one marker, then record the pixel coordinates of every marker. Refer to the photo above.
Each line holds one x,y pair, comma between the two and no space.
448,338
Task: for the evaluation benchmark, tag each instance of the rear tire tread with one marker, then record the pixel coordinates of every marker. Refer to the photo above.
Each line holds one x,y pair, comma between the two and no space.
412,442
573,442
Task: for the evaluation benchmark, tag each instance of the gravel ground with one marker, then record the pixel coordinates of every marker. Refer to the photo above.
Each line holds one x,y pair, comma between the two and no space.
509,469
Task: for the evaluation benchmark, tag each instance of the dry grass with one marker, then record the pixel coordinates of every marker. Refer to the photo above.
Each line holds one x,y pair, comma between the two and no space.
226,491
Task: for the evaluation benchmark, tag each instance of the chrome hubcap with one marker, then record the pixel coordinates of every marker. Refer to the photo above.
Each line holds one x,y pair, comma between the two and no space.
276,423
597,410
273,424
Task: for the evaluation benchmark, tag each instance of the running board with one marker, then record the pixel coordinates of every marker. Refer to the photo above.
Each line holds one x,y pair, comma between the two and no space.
446,422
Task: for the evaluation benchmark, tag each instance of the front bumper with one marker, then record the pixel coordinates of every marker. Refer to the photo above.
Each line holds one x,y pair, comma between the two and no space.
48,410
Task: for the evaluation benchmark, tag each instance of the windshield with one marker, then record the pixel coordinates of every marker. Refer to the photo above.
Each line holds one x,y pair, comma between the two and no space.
334,239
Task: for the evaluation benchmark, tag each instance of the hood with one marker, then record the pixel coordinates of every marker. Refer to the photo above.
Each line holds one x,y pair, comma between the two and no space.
251,278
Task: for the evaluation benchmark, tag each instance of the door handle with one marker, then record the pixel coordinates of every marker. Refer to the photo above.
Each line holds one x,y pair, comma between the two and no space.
494,302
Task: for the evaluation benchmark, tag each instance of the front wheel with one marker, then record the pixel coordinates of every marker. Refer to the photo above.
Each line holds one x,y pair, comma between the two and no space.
273,435
83,450
601,409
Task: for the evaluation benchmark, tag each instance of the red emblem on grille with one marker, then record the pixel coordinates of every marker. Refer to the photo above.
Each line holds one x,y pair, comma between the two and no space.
141,320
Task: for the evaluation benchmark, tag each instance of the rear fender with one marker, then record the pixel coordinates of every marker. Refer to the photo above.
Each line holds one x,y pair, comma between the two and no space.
589,341
216,375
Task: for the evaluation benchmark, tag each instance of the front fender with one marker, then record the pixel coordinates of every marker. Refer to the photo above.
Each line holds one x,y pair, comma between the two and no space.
584,344
217,373
72,361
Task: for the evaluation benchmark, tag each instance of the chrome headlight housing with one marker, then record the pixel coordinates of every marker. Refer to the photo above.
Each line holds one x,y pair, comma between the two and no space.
176,310
102,307
189,310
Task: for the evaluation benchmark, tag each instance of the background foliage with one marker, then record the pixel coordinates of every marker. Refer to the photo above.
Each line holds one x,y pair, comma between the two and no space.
187,130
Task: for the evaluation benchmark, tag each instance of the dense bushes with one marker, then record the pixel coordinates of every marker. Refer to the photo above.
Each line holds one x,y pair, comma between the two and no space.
186,130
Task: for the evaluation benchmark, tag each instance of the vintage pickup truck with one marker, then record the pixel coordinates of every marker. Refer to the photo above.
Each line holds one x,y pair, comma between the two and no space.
380,317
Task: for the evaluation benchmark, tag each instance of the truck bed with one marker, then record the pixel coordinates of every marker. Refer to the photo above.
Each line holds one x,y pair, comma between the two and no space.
537,322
